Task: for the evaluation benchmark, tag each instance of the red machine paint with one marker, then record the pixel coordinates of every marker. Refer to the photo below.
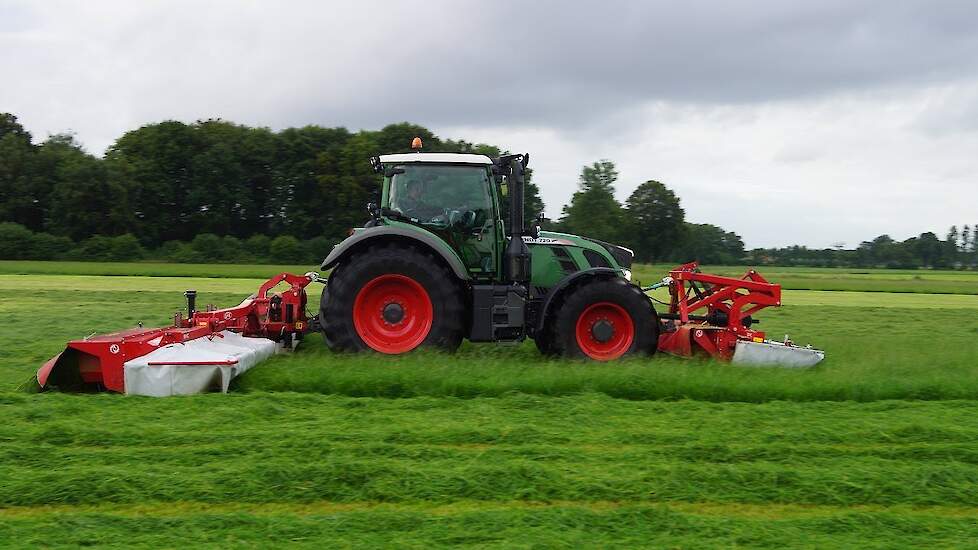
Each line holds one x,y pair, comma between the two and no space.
97,362
709,313
400,331
619,339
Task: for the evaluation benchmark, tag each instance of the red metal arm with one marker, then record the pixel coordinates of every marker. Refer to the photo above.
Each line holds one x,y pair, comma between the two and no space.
720,306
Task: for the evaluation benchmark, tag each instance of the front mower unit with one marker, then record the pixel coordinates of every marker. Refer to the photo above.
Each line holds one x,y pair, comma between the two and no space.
202,352
713,315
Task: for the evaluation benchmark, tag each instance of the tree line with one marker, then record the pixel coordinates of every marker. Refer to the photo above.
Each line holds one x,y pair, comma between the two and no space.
218,191
169,182
958,250
652,221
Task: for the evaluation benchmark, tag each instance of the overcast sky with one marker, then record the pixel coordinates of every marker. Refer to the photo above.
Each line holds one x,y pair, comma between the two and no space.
789,124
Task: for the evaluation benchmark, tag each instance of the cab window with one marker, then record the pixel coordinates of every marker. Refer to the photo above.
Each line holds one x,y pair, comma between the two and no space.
441,195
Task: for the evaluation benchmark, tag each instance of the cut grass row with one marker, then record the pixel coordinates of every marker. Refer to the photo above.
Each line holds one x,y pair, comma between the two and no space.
863,280
309,468
502,526
294,448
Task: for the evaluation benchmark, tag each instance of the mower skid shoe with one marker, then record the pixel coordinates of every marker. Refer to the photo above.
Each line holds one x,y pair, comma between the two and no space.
195,366
768,353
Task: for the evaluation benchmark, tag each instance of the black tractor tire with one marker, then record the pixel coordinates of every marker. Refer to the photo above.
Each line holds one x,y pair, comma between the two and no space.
417,269
628,322
544,340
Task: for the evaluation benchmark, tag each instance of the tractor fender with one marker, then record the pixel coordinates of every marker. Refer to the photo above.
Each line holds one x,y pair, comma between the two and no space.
370,235
567,282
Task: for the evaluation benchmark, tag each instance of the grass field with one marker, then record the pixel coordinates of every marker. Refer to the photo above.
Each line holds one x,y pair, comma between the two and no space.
795,278
497,446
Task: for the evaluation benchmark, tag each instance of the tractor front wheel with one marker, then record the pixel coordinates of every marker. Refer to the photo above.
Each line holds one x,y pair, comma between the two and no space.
604,320
391,299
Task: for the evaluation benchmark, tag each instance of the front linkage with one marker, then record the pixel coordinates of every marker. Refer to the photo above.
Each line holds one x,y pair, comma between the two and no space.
713,315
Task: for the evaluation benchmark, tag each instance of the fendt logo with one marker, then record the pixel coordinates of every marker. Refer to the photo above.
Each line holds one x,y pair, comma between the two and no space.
546,240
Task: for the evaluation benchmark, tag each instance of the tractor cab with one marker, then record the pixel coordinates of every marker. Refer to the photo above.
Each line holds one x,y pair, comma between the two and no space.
450,195
439,194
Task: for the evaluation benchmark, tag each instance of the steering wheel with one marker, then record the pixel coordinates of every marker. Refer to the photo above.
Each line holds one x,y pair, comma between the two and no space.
461,218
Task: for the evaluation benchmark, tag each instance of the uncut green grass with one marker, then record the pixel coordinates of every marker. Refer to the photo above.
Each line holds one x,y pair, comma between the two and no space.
923,349
924,281
872,354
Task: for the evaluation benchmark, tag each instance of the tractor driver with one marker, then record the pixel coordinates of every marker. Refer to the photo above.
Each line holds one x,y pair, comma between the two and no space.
412,203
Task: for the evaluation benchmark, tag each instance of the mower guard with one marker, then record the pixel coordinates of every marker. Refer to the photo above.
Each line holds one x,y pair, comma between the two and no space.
200,353
713,315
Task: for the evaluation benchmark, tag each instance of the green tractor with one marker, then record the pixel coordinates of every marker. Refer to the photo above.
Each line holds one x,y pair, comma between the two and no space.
439,261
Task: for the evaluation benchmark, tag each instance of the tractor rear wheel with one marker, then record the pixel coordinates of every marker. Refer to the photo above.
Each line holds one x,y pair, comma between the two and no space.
392,299
604,320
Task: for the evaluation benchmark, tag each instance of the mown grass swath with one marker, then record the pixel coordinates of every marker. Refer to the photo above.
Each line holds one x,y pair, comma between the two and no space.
442,464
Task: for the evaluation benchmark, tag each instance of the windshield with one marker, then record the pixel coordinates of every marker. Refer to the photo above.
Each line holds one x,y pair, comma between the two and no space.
441,194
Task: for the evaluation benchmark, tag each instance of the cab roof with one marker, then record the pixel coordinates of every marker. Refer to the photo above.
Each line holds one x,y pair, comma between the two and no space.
457,158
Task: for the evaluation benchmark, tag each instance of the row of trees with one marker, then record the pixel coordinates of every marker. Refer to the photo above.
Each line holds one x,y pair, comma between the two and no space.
172,181
19,243
213,190
652,221
958,250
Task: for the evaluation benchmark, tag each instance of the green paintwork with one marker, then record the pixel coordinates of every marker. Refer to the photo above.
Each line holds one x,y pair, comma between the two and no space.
481,250
443,245
547,269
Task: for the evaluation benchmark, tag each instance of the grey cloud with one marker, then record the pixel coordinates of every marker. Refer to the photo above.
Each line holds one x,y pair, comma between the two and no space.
508,63
562,64
681,92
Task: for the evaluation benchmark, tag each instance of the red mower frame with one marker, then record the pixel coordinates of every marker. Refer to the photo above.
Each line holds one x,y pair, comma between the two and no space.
97,362
710,313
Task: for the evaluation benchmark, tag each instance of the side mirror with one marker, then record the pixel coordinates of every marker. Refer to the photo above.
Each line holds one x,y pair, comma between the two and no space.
376,165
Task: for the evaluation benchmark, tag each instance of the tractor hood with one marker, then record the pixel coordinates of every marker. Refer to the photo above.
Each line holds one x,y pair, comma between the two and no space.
558,255
619,254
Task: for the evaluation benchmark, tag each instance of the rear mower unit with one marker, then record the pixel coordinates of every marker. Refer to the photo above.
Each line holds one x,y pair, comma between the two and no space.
444,258
202,352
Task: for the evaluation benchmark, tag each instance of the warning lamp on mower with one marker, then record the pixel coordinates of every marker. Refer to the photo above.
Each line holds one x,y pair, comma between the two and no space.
416,144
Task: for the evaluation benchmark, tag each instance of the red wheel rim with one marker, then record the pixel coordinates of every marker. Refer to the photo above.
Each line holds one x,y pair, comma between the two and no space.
605,331
392,314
